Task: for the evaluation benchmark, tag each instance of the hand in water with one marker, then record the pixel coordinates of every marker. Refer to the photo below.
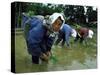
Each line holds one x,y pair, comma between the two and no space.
44,57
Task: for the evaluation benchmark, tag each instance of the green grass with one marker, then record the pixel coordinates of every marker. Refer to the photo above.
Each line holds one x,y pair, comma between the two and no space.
79,56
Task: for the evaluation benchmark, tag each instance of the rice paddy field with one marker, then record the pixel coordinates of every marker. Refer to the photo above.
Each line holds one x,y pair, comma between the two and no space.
78,57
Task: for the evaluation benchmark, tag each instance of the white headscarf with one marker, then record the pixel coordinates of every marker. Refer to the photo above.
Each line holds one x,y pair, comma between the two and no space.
54,17
90,34
74,33
48,23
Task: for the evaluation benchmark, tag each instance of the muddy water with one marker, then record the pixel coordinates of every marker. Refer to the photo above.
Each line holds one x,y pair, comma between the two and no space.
76,58
73,59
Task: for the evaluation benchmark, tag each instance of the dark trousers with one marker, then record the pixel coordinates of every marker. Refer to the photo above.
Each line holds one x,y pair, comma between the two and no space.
79,38
61,37
35,59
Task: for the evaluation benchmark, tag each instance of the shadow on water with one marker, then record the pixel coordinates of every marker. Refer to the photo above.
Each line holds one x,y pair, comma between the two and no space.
75,58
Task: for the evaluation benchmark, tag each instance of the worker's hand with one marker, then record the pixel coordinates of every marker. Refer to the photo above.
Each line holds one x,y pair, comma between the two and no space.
44,57
48,53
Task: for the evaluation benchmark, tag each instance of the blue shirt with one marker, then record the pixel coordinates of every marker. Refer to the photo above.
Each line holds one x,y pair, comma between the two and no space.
66,29
38,41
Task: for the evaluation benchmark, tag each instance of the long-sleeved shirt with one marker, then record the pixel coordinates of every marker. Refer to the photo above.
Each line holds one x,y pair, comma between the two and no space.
38,41
66,29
